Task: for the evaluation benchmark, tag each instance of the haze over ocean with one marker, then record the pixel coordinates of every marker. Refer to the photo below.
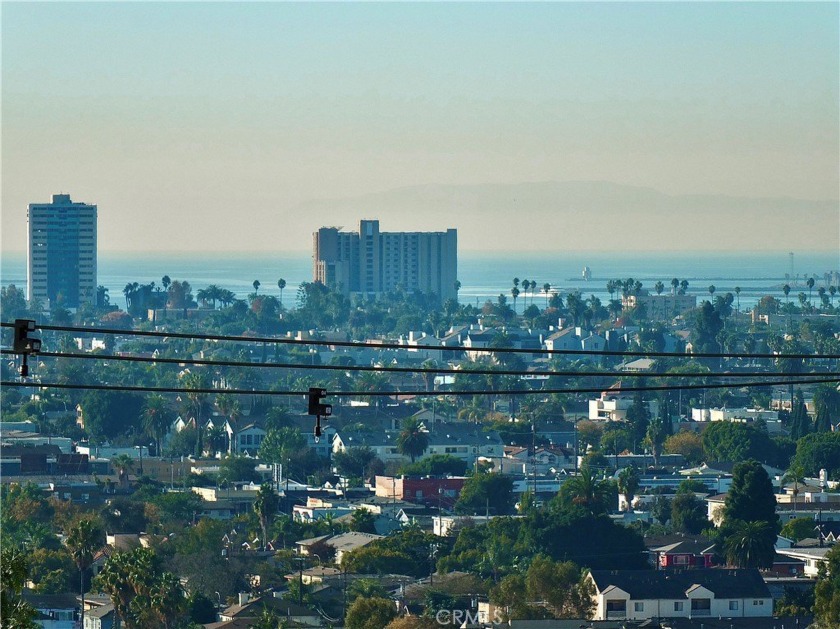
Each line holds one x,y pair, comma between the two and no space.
482,275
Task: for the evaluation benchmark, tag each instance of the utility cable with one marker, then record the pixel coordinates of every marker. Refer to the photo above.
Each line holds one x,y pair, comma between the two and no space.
390,345
415,370
149,389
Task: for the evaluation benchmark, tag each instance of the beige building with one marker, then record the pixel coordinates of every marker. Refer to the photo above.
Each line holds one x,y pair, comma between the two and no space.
369,262
661,307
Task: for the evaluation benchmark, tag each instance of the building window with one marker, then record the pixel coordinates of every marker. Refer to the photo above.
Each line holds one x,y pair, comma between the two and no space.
758,602
733,606
678,606
638,607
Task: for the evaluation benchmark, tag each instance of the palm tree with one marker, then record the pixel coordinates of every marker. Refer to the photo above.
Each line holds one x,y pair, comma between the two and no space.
659,287
194,382
83,540
412,441
683,286
586,491
750,545
628,483
256,286
281,284
546,288
514,292
265,506
832,290
738,296
712,290
155,420
123,464
810,285
786,291
674,283
457,288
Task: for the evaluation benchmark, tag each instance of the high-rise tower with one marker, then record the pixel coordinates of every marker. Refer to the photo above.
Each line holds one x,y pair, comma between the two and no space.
61,261
369,262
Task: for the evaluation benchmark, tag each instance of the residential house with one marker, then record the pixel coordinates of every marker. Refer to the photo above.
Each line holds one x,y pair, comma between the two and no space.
464,441
813,558
429,491
341,544
251,609
102,617
612,404
714,593
54,611
695,552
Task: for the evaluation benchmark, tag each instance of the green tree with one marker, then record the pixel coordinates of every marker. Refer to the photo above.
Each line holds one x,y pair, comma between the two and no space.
751,496
363,521
435,465
750,544
196,383
354,462
733,441
707,326
279,445
826,407
827,592
688,514
585,492
798,529
486,492
143,595
412,440
111,414
800,423
83,540
370,613
14,611
817,451
628,484
123,465
238,468
281,284
156,419
687,443
560,587
265,506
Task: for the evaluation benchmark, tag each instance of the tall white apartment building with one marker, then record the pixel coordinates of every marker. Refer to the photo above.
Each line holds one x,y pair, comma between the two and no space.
370,262
61,261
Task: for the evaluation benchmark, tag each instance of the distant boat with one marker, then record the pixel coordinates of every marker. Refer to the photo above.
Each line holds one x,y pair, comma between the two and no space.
586,274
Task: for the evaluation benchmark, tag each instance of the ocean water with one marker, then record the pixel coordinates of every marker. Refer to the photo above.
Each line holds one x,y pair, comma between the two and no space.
483,275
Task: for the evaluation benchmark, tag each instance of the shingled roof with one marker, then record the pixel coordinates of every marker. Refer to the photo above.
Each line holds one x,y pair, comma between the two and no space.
675,584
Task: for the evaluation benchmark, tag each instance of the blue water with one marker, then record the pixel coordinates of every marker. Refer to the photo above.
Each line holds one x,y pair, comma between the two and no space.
483,276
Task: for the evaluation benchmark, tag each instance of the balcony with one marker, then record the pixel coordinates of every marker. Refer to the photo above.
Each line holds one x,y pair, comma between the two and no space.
619,615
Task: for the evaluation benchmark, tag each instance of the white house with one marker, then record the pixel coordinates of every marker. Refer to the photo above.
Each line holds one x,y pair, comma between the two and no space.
713,593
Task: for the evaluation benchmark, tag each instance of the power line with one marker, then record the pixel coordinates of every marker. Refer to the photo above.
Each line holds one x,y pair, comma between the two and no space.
387,345
479,392
415,370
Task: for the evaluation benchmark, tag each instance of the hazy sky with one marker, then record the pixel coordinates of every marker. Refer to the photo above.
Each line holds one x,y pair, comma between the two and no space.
202,126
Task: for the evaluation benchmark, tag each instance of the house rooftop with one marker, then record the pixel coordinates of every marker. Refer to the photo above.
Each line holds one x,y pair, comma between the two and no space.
668,584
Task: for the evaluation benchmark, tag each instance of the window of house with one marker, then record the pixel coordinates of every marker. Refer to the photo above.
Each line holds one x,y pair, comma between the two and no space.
701,605
680,560
638,607
678,606
733,605
758,602
616,606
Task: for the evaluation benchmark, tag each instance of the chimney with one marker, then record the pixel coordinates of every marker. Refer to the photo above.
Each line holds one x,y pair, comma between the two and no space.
243,598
